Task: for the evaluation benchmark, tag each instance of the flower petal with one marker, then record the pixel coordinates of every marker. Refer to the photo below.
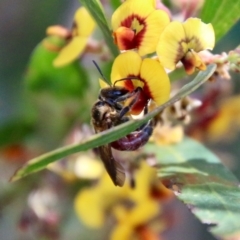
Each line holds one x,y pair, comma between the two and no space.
125,64
171,47
192,61
200,35
126,11
88,167
70,52
157,81
83,22
93,216
227,122
59,31
155,23
122,231
123,38
143,212
102,83
145,22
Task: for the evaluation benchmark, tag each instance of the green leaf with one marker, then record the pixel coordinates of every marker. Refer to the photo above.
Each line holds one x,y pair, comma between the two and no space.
96,10
177,74
222,14
115,3
110,135
41,76
200,180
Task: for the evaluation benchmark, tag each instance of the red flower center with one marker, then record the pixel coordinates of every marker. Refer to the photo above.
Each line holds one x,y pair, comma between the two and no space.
144,96
136,24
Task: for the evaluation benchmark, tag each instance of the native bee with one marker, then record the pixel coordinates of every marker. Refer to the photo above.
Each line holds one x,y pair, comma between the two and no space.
108,112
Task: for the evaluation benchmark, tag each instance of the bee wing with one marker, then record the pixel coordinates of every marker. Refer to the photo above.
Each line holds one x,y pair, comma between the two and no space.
114,168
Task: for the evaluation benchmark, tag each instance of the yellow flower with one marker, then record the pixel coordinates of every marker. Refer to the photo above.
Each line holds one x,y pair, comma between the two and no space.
91,204
167,134
76,39
132,208
226,123
84,166
182,42
153,79
138,25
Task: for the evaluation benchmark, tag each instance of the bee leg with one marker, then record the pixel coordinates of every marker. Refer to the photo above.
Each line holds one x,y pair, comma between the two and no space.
134,94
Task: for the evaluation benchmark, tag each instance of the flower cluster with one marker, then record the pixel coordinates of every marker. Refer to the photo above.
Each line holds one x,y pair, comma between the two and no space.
149,43
139,29
135,210
140,26
142,29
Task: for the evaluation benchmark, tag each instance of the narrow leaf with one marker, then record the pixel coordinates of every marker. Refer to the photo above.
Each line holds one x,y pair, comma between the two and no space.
110,135
222,14
178,74
201,181
96,10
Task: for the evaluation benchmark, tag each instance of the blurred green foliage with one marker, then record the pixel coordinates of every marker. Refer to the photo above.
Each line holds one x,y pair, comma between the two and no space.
41,76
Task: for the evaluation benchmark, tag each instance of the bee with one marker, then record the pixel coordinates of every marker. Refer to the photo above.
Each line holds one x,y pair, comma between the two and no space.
109,112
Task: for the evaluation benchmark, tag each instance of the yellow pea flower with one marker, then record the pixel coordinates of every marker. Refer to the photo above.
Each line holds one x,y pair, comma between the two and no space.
146,206
153,79
98,200
138,25
226,123
132,208
182,42
76,39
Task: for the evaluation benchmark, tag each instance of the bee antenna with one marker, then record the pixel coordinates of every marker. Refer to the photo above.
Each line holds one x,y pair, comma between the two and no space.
128,78
99,70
